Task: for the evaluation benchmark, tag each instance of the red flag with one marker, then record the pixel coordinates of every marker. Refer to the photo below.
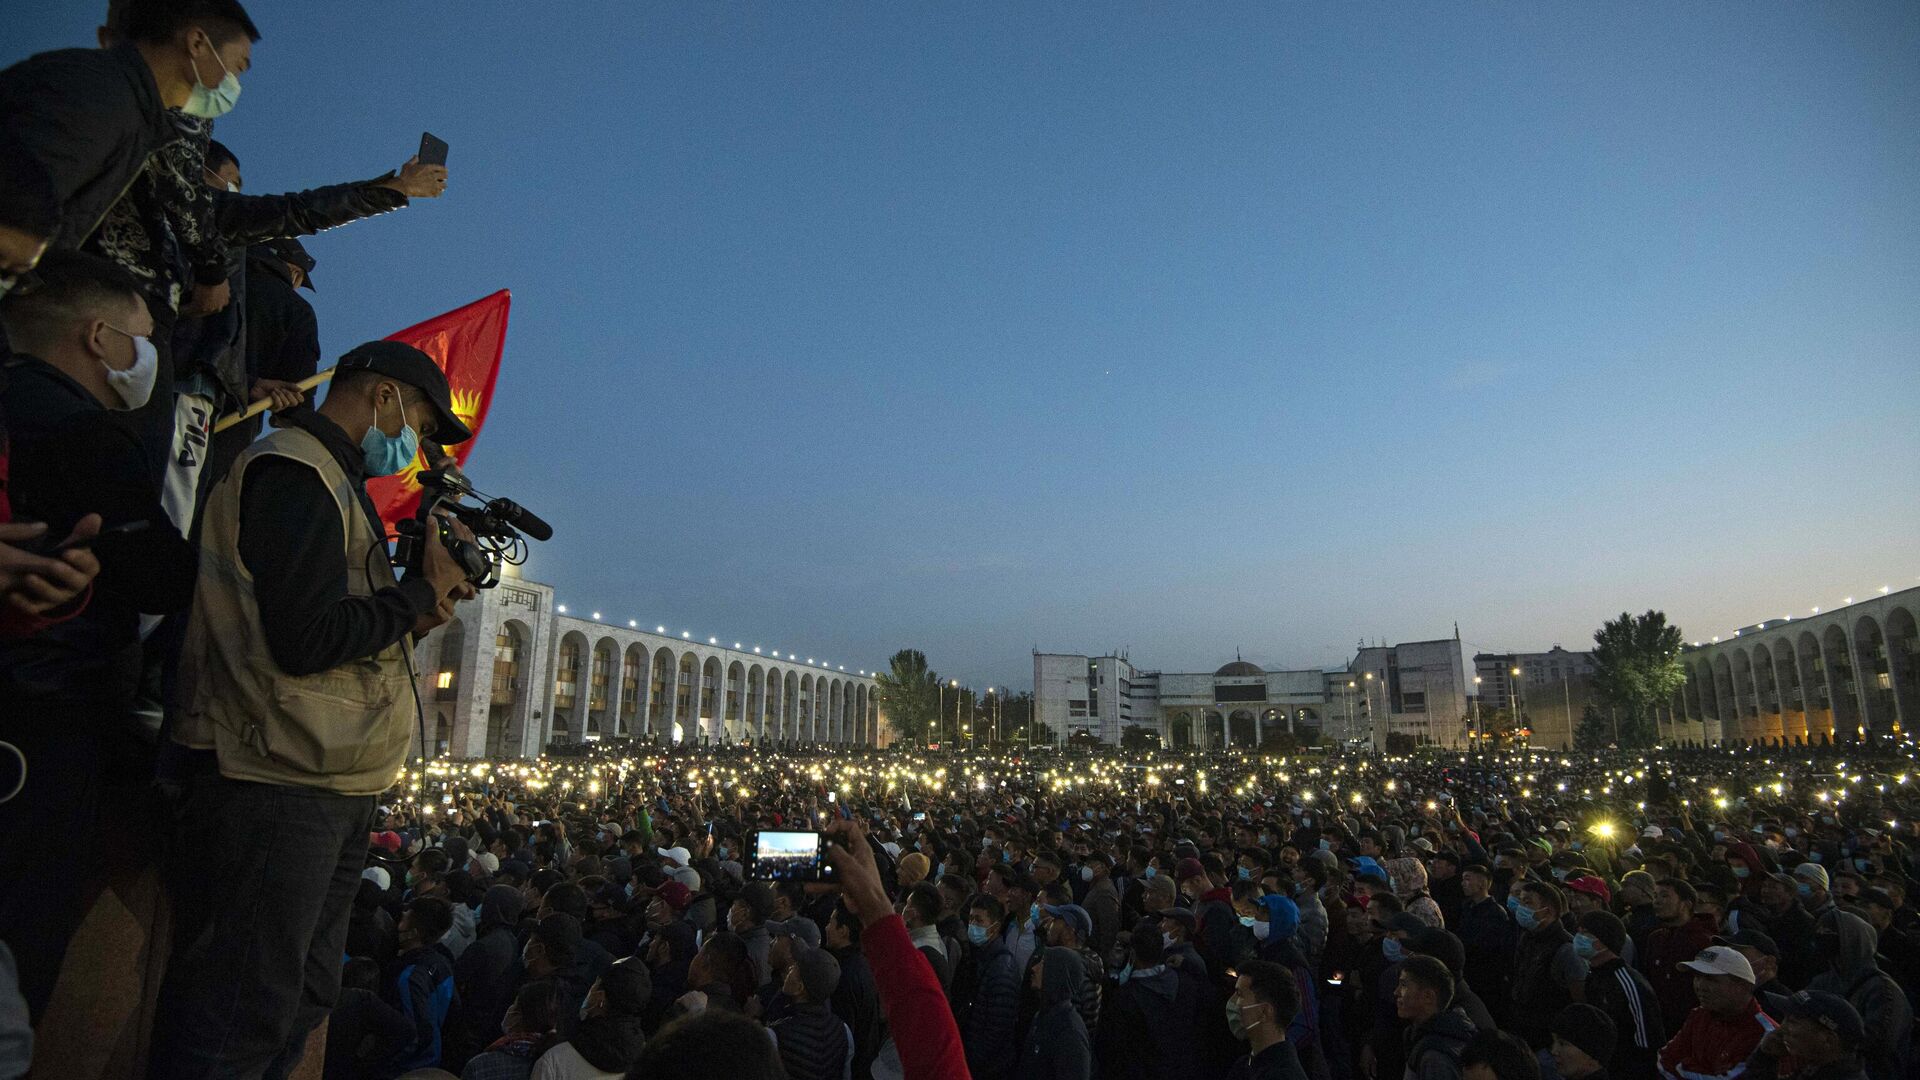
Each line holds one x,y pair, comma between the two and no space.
467,343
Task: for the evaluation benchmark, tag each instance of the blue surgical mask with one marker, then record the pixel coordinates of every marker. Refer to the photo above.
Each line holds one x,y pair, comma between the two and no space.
1150,871
1526,917
1741,872
1393,950
1863,865
389,454
1813,856
1583,946
1806,891
1248,921
1125,974
977,934
1245,874
206,103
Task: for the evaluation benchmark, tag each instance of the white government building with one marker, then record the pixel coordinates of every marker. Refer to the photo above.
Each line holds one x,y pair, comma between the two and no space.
1843,673
1417,689
515,671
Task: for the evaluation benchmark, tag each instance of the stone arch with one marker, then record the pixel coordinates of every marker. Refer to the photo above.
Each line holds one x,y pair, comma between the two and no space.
450,644
1812,665
1214,731
860,733
711,701
735,725
662,689
507,702
1903,666
834,705
569,689
776,704
1836,653
1875,677
1690,695
1793,702
1741,666
790,712
756,722
808,708
1242,729
633,686
601,675
686,698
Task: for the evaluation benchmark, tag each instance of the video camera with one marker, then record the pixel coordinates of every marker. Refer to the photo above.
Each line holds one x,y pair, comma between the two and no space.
496,524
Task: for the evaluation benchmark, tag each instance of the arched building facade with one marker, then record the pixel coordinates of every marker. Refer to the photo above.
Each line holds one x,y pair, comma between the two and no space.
513,672
1844,674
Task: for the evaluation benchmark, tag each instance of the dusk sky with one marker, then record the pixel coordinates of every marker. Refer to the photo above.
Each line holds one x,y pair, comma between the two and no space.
1178,329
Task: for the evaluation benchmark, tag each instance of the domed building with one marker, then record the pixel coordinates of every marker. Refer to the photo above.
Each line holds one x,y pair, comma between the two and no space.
1417,689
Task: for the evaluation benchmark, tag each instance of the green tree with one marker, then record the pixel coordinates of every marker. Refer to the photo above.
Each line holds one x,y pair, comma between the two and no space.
1139,737
1637,669
910,695
1595,730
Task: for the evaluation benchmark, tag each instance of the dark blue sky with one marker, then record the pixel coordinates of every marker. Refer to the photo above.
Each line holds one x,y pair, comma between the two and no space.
975,327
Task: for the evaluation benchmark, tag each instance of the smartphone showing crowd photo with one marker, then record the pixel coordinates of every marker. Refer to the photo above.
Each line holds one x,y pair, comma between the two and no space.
789,856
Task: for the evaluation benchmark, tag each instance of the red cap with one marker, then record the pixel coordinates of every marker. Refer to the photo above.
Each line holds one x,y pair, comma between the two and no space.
1188,868
675,894
1592,886
388,841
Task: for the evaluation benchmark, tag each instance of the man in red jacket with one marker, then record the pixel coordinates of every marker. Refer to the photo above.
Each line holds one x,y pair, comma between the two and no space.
1718,1037
1679,938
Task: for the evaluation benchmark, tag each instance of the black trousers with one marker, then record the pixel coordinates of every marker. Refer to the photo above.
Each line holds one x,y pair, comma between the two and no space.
262,878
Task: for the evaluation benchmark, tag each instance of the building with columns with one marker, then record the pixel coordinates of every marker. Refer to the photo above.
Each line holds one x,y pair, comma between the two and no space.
1417,689
1844,674
513,672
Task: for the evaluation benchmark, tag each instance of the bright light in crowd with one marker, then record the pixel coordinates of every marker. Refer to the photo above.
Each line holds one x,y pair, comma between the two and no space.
1603,830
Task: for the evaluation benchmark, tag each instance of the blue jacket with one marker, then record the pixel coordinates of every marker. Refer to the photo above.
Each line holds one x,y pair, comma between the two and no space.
423,991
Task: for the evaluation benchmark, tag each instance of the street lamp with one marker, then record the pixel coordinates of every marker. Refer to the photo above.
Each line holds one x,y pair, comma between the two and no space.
1479,731
1373,730
1513,696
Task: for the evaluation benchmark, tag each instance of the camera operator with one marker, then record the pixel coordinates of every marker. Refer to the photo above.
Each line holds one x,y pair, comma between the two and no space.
296,691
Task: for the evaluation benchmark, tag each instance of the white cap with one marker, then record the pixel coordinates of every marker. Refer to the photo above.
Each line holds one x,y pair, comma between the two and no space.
686,875
379,876
1721,960
1652,832
680,856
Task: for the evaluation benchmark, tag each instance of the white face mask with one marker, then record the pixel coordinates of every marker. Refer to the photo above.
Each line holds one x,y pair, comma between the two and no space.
134,385
1086,873
1261,930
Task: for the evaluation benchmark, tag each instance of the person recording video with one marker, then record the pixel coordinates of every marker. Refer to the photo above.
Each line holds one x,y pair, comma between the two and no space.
297,702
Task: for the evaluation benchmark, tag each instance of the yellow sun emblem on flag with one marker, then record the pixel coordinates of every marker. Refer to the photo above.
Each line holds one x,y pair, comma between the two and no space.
466,408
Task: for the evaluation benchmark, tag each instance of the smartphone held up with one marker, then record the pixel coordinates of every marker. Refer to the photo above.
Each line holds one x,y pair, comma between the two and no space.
789,856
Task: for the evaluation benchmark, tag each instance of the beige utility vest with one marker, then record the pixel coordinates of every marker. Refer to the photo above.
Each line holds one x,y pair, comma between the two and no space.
345,730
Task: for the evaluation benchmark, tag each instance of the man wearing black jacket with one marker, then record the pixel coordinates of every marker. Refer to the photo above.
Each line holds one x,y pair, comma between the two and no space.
77,125
83,359
1624,995
295,688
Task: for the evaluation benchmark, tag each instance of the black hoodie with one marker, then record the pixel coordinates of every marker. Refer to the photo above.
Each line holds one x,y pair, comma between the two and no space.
610,1043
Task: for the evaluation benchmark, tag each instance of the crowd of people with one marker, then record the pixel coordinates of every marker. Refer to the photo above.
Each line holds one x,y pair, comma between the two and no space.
1674,915
205,660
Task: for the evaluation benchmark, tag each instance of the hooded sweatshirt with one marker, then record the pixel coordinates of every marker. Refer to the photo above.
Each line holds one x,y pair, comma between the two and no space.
483,975
602,1046
1872,993
1059,1048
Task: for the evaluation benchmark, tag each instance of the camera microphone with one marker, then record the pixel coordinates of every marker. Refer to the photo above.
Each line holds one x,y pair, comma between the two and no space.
520,518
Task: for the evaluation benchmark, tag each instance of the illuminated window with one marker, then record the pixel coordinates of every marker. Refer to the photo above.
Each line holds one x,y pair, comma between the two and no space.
445,681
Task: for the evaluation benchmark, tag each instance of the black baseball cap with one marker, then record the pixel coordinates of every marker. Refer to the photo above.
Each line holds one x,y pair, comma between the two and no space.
1752,939
411,366
289,250
1830,1011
